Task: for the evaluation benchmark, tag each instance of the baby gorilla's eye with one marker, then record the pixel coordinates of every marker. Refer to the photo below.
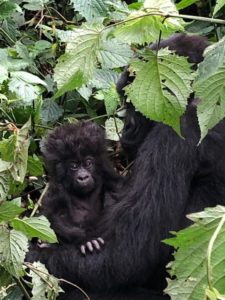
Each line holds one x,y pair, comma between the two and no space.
88,162
73,165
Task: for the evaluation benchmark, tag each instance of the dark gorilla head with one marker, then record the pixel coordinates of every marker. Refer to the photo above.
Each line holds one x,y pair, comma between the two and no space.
74,156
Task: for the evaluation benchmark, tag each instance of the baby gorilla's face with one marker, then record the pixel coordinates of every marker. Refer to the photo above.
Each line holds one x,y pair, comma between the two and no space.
81,174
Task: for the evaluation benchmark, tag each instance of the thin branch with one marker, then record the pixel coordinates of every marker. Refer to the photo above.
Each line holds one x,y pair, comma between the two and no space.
20,284
127,167
179,16
39,201
61,16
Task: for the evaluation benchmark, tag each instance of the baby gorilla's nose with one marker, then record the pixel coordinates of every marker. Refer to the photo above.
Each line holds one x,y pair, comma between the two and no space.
83,178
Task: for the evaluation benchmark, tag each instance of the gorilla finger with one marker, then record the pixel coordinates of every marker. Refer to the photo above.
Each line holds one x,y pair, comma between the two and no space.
89,246
96,244
82,249
101,240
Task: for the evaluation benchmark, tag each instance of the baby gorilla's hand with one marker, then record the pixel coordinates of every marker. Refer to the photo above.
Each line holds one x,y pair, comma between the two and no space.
92,245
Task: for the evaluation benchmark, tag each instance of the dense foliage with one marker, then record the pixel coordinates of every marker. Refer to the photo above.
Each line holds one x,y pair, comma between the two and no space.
59,62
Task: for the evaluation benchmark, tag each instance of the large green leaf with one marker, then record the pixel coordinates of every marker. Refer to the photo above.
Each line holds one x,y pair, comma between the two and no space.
210,87
189,269
35,166
13,248
8,147
25,85
35,227
140,27
185,3
161,87
114,54
3,74
113,127
19,166
103,78
218,6
4,179
77,65
9,210
6,9
51,111
91,9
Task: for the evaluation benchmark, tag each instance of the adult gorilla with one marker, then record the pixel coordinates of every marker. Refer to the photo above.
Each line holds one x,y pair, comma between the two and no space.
171,176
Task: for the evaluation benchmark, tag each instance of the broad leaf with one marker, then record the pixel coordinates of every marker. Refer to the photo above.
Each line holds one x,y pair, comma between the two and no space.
51,111
3,74
113,127
9,210
77,65
210,86
140,27
111,99
114,54
14,293
6,9
104,78
34,166
218,6
90,9
161,87
19,167
8,147
25,85
45,286
4,179
189,268
185,3
35,4
35,227
13,248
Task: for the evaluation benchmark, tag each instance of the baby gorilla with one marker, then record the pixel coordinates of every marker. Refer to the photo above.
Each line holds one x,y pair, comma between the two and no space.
80,174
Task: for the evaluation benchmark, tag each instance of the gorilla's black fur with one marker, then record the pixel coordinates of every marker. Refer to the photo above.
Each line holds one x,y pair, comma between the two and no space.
171,177
80,175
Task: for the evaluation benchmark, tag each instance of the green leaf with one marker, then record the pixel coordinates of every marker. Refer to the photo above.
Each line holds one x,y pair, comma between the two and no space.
161,87
90,9
19,166
9,210
51,111
209,86
4,179
104,78
35,166
141,28
113,127
13,294
114,54
189,267
9,63
218,6
111,100
35,227
8,147
13,248
3,74
77,65
35,4
25,85
6,9
45,286
185,3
